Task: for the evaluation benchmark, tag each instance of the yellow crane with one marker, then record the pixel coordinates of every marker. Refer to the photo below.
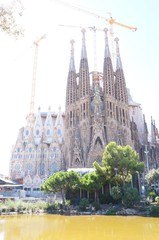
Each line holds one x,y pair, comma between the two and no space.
110,21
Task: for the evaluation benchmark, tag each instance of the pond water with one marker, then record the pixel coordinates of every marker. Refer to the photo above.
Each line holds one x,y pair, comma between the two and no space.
55,227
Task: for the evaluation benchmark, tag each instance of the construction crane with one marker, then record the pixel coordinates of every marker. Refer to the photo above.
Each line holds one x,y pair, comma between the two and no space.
110,21
36,44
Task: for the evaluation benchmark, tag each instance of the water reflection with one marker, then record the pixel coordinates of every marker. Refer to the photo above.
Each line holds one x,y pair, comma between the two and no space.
48,227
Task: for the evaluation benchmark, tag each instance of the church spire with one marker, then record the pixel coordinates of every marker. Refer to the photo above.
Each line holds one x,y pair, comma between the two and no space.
83,52
120,85
84,80
108,74
71,91
154,131
118,59
107,51
145,131
72,62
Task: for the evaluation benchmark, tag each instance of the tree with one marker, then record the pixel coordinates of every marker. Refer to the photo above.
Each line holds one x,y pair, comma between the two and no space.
102,171
92,182
152,176
60,182
119,162
8,18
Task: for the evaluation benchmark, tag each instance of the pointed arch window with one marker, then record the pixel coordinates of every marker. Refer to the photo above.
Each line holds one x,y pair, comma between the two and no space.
52,155
27,132
30,149
77,162
54,149
48,132
59,131
119,142
98,140
42,168
18,149
37,132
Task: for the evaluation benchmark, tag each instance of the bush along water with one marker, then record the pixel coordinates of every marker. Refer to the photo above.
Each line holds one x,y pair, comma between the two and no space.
154,211
130,197
83,205
20,206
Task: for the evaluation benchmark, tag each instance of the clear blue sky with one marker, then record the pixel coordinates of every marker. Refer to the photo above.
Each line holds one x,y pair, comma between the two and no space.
139,53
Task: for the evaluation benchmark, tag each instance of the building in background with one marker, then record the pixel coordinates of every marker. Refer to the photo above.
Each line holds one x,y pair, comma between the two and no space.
98,109
38,150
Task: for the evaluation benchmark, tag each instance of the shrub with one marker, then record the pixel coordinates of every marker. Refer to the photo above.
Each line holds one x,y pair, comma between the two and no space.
105,198
116,193
74,201
154,211
68,203
21,206
41,205
157,199
130,197
96,206
151,196
10,205
52,206
83,204
4,209
111,211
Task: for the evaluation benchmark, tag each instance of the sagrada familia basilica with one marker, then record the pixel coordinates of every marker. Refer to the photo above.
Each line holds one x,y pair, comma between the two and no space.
98,109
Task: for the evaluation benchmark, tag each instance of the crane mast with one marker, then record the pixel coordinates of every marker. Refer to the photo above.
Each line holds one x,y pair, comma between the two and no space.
32,102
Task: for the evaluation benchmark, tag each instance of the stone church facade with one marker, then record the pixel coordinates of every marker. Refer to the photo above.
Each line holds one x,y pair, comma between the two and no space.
98,109
37,153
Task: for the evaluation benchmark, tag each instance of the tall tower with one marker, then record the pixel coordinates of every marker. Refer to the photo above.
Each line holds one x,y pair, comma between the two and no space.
70,108
122,107
84,102
109,93
77,110
108,74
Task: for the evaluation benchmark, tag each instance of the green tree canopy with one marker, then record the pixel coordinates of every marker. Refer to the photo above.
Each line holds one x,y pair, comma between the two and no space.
60,182
92,182
119,162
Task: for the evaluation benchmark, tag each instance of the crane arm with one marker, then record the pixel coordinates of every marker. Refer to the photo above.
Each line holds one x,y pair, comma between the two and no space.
76,7
91,28
72,26
109,20
39,39
113,21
